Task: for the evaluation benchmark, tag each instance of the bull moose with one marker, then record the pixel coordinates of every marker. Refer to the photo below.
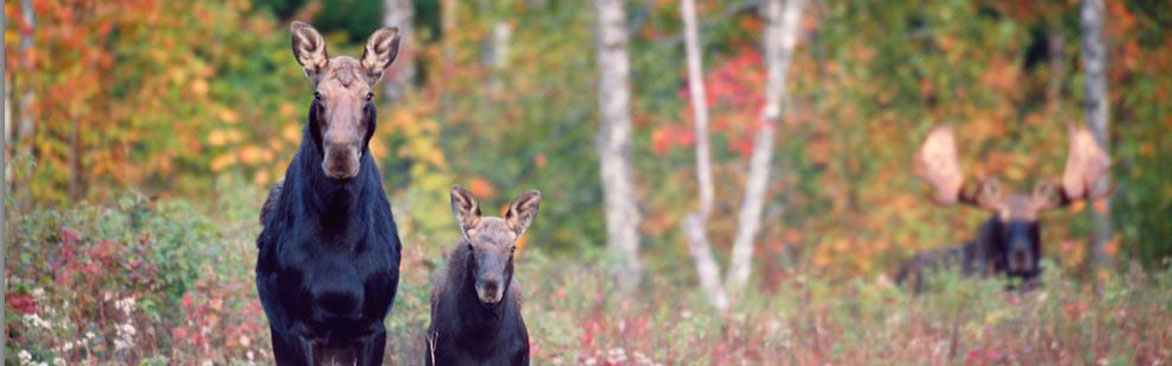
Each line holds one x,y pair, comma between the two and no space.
328,264
1009,242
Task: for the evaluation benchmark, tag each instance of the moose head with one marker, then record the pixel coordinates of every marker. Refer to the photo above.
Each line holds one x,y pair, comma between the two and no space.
1013,232
342,115
491,241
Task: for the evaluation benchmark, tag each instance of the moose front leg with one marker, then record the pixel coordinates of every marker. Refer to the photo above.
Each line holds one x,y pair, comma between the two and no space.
371,353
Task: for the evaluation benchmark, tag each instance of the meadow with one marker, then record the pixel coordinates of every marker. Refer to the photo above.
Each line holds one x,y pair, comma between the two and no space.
141,137
160,283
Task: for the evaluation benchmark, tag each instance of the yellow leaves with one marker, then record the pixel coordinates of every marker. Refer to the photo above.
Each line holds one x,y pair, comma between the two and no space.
252,154
200,87
291,133
521,243
378,148
223,161
217,138
261,178
229,116
287,110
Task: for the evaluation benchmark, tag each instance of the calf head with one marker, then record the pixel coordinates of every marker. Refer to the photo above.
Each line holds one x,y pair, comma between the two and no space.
1013,233
492,241
342,116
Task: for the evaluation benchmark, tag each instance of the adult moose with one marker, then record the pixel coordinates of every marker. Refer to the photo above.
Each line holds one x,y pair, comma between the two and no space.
328,266
1009,242
476,305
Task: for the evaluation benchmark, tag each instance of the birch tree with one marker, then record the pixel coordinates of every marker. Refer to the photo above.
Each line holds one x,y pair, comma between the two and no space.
401,13
778,41
1094,54
614,142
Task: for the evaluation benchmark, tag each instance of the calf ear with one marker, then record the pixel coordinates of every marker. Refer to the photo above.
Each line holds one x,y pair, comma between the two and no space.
465,208
381,50
522,211
309,48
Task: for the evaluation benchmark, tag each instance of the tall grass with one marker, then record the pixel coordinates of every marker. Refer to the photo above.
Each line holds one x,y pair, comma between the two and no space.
163,283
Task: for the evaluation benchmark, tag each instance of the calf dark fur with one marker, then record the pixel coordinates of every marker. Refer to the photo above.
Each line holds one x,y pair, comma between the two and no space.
328,264
476,305
1010,241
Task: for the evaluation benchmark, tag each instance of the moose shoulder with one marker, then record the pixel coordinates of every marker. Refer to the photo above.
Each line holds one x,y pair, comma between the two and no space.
328,264
476,304
1009,242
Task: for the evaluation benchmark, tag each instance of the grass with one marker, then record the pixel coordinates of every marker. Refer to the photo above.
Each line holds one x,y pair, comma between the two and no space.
161,283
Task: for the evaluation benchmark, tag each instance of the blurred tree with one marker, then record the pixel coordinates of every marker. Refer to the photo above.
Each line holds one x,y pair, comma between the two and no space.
695,225
614,140
400,79
1097,107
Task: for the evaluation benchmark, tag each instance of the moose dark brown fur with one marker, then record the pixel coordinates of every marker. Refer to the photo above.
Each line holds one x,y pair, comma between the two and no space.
327,269
1009,242
476,305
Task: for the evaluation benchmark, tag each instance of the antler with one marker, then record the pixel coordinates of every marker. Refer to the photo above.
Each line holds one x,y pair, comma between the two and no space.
1086,163
937,164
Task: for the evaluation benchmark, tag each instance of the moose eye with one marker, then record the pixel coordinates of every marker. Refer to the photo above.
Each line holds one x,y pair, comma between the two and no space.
369,96
317,95
470,248
513,249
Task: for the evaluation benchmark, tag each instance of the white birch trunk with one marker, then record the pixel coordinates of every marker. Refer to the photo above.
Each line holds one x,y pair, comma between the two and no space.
1094,53
695,225
781,34
614,140
401,13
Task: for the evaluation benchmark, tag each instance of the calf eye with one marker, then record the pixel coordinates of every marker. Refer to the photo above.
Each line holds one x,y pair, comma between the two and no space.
513,249
369,96
470,248
317,95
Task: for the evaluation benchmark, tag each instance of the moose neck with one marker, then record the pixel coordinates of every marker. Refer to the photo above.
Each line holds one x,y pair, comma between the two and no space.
338,201
476,316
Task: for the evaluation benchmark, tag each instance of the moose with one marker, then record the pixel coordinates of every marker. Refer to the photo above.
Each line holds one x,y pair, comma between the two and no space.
476,305
1009,242
328,264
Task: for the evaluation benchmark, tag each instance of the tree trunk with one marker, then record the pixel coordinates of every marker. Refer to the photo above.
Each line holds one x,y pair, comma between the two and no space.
614,142
1094,53
495,55
75,173
4,89
781,35
1056,43
695,225
401,13
26,97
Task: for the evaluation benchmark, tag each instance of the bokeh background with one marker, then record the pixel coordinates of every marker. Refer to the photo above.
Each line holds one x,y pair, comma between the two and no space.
143,135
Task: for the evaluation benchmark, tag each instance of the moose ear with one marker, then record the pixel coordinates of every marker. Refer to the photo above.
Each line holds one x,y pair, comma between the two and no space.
465,208
309,48
381,50
522,211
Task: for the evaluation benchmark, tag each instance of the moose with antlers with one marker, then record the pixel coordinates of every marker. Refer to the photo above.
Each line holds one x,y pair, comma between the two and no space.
1009,242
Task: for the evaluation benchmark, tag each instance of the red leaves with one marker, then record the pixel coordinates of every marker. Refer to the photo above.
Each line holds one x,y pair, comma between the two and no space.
22,303
734,98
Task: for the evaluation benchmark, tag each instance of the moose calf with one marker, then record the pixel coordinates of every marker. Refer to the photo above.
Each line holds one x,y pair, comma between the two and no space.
476,305
1009,242
328,263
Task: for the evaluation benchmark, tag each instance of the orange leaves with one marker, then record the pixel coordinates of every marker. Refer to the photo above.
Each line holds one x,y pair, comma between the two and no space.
669,135
482,188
